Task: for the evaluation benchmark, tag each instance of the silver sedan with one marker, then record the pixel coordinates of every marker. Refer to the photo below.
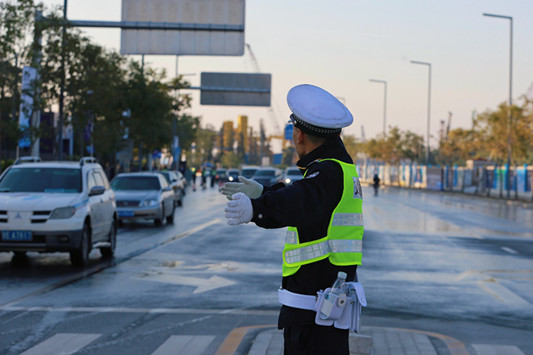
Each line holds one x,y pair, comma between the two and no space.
143,195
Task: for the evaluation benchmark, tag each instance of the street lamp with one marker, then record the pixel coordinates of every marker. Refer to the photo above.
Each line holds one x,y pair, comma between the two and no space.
429,106
384,104
510,120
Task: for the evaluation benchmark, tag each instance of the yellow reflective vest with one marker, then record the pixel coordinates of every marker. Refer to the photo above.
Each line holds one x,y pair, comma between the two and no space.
343,244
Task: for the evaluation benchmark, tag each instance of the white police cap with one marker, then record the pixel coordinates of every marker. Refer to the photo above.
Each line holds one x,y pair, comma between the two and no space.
318,110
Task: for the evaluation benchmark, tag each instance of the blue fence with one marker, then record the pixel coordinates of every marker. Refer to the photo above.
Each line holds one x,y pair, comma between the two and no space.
479,178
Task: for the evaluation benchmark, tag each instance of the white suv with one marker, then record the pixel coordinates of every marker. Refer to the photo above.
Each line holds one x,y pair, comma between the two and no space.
57,207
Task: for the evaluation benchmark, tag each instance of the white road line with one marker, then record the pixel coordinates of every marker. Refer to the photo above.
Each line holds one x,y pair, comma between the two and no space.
502,293
490,349
184,344
192,231
62,343
509,250
139,310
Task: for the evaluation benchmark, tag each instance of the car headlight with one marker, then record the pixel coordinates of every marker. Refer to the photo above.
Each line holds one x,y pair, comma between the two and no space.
287,181
63,212
149,203
230,178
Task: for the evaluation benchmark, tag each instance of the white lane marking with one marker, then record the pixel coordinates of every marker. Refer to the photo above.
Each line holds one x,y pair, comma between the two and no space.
502,293
62,343
185,344
192,231
490,349
202,285
509,250
138,310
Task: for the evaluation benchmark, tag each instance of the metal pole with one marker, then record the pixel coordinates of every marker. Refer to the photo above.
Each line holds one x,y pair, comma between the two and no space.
384,103
429,107
510,120
62,89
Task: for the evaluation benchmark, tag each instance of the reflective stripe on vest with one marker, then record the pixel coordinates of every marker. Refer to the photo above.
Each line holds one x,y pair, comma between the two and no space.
317,251
343,243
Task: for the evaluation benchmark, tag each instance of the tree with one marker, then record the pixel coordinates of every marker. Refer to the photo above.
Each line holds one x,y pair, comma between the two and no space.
492,133
16,28
458,147
395,146
150,124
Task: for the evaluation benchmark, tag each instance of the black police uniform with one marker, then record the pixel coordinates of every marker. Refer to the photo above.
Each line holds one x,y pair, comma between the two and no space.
308,205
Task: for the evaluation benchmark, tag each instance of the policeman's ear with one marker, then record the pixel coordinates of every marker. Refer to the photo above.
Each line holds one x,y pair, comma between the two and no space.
299,136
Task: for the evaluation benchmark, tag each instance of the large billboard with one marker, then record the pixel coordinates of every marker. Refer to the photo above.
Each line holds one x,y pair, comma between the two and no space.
237,89
191,13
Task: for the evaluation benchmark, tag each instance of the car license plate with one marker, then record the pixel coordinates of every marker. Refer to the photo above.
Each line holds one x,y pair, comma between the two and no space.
125,213
17,236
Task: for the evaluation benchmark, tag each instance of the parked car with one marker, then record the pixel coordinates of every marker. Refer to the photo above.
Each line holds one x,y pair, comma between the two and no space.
57,207
248,171
176,184
182,180
143,195
233,175
290,175
267,176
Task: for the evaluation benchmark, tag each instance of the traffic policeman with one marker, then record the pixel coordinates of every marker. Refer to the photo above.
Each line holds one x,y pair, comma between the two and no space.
323,213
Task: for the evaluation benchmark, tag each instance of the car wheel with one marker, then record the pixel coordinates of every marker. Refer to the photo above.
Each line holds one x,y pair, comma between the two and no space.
79,257
108,252
170,218
180,201
159,221
19,258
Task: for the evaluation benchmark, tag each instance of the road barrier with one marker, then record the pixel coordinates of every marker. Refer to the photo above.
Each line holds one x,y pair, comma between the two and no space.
479,178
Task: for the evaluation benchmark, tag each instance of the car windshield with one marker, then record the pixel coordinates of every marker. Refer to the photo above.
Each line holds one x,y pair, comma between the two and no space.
166,174
294,172
260,173
135,183
41,180
233,173
248,172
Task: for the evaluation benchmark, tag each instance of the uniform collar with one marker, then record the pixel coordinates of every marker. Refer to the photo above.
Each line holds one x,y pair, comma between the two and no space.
332,148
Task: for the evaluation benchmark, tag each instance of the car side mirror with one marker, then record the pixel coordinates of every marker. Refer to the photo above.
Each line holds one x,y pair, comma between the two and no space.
97,190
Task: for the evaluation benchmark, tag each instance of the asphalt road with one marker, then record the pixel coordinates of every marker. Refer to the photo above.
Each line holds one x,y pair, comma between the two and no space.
456,267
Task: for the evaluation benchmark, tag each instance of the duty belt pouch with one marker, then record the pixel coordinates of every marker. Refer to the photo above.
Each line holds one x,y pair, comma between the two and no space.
343,311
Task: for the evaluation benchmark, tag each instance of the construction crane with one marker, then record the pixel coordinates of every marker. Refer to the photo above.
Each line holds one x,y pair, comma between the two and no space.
278,131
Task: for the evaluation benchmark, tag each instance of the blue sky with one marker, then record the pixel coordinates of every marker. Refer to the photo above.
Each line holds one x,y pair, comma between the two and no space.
341,44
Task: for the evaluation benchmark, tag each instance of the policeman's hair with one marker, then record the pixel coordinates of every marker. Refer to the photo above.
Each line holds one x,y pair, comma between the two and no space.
321,139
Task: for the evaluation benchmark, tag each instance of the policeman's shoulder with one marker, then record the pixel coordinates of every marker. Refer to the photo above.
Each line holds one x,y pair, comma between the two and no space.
323,169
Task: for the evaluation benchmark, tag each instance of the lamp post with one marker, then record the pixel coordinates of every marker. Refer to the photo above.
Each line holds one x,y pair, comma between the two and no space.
429,106
384,104
510,120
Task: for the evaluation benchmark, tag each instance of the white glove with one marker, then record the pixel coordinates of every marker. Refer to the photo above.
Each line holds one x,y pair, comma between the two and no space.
249,187
239,210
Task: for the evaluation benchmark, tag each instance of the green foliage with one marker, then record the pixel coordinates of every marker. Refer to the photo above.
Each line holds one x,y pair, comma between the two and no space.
395,146
488,139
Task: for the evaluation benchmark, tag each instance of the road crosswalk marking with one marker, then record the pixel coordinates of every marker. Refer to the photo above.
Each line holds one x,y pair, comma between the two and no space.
502,293
62,343
489,349
184,344
69,343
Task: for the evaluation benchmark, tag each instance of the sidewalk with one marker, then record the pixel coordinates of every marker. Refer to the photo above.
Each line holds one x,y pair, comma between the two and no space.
371,340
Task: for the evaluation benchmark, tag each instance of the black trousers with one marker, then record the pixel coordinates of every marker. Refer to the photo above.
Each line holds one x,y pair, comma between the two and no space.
315,339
